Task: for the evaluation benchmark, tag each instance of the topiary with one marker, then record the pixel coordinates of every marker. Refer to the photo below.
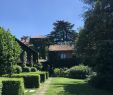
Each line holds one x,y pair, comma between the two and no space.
33,69
26,69
17,69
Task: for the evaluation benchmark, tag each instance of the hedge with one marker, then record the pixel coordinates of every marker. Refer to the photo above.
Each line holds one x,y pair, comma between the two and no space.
12,86
30,80
43,75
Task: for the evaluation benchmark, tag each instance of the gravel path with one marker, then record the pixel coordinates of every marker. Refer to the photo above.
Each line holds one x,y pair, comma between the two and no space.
43,88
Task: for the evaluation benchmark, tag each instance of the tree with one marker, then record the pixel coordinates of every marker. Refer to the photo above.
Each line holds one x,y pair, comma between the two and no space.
82,49
104,66
62,32
94,40
98,26
9,52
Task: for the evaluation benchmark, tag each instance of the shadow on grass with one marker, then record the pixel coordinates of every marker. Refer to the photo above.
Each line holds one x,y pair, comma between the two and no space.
80,88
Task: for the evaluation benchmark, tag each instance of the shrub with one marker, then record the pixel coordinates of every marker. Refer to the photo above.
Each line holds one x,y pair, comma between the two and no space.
79,72
59,72
26,69
12,87
33,69
18,69
30,80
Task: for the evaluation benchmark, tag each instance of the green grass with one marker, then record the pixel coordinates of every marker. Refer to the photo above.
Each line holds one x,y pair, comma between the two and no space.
65,86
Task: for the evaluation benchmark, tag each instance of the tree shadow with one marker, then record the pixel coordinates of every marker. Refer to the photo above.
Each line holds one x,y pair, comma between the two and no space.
80,89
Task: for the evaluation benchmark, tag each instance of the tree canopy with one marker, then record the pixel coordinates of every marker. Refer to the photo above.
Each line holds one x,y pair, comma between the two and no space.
95,39
63,32
9,52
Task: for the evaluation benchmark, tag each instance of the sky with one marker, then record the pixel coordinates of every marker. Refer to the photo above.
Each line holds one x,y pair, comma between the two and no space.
36,17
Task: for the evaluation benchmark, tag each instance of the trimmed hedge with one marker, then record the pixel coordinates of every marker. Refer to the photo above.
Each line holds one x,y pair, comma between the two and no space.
43,76
12,86
30,80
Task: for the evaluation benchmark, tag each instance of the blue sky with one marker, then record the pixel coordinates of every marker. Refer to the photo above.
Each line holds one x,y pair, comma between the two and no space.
35,17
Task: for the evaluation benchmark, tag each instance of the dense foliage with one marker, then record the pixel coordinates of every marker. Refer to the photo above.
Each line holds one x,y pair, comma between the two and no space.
9,52
94,46
17,69
62,32
78,72
59,72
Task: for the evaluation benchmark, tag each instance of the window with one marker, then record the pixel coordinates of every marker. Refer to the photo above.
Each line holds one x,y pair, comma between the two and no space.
63,56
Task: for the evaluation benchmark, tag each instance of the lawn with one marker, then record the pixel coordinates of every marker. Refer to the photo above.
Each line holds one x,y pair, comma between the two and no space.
65,86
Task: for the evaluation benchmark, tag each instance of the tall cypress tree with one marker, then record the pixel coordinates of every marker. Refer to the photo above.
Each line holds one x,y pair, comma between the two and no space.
9,52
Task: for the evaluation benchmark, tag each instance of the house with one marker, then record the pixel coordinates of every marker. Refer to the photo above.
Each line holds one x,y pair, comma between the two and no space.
61,55
39,44
62,51
32,55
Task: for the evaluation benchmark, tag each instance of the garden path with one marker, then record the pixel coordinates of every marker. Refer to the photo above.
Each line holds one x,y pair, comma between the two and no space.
43,88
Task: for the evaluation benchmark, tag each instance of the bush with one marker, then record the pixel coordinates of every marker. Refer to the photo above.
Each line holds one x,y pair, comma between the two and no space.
12,87
18,69
26,69
33,69
79,72
30,80
59,72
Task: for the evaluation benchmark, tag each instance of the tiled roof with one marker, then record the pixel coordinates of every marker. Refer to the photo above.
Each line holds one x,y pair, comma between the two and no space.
61,48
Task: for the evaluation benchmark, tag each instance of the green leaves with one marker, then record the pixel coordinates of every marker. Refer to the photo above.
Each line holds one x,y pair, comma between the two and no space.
62,32
9,51
95,43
